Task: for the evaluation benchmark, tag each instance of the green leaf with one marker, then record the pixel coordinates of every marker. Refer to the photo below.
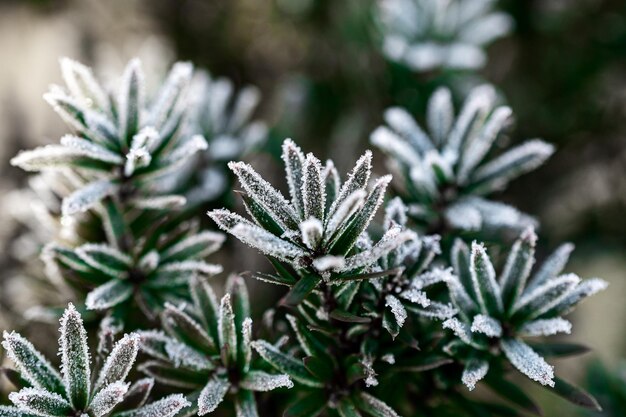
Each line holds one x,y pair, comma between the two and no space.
300,290
114,224
575,395
373,406
227,331
205,302
177,322
212,395
262,217
559,350
130,101
245,404
484,282
236,287
41,402
286,364
74,351
108,295
348,317
272,278
311,405
511,392
346,408
175,377
517,268
319,368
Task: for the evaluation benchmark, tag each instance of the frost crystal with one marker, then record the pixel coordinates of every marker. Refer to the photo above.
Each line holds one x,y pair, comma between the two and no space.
528,362
474,371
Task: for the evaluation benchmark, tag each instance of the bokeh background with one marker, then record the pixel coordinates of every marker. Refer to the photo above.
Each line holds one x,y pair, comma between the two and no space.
325,84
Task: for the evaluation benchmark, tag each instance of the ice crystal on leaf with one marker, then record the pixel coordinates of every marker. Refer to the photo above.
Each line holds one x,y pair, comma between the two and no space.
122,139
73,391
496,313
427,35
317,229
206,349
445,173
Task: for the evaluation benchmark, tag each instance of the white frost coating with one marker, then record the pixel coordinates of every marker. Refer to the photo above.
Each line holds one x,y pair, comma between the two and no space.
389,358
395,212
211,241
312,230
546,327
395,146
391,240
293,158
329,263
415,296
513,163
486,325
264,194
193,266
90,149
460,329
226,326
546,296
266,242
38,401
585,289
552,266
120,361
74,352
246,341
528,362
50,157
82,84
108,295
397,309
149,261
264,382
474,371
187,149
182,355
357,179
344,211
166,407
313,188
87,197
476,105
212,395
132,79
463,215
381,408
370,374
96,254
484,278
440,115
106,399
160,203
403,123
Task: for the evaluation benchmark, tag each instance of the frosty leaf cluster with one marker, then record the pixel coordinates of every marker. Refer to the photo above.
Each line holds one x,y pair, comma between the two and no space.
389,302
428,35
445,172
80,389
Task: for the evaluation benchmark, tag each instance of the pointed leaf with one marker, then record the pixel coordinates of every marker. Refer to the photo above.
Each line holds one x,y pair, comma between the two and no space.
75,361
212,395
286,364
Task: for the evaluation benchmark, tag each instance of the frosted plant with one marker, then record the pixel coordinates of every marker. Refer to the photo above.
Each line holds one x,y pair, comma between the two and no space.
445,174
73,391
404,291
206,349
431,34
317,230
497,314
122,141
224,117
156,270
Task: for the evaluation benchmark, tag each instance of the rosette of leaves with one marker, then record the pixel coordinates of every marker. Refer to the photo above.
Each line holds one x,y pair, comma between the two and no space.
122,141
224,117
445,174
156,270
498,314
73,391
427,35
206,350
313,237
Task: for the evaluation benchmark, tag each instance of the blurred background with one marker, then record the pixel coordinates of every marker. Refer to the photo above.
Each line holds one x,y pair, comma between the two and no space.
325,83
